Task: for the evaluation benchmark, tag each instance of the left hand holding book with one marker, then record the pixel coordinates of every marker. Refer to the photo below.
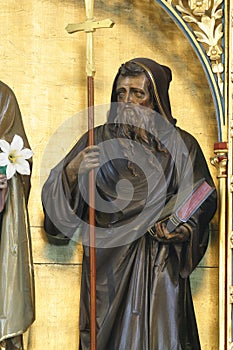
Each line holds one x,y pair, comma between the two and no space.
173,221
180,234
3,187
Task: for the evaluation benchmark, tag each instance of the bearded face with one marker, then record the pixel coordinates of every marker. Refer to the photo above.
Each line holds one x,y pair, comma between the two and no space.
135,117
136,123
135,107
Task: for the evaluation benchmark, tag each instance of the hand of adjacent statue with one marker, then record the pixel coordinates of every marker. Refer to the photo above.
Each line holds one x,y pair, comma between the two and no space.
85,161
3,191
181,233
3,181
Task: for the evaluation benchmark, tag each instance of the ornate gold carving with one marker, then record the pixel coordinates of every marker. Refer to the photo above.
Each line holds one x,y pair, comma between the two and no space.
231,183
199,6
231,123
231,240
231,294
206,17
220,160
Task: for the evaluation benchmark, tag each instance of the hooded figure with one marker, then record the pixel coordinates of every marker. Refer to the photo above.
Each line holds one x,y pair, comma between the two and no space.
143,292
16,277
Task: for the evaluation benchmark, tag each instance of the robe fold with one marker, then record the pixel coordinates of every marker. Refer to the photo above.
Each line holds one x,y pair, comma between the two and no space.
143,293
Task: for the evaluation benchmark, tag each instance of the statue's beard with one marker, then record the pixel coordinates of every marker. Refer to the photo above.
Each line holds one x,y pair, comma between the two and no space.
138,124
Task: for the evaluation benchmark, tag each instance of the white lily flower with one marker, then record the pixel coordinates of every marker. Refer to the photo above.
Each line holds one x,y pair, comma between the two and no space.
13,156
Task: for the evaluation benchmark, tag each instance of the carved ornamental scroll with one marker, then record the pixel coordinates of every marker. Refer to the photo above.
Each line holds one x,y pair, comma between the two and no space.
205,19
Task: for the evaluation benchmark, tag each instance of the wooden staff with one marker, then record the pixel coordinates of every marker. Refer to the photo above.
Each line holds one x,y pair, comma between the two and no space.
89,26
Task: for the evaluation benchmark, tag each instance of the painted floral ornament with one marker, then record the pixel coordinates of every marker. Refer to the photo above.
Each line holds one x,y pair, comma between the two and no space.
14,157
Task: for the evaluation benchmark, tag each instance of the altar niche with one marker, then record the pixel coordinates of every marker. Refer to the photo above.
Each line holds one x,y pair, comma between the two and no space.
50,63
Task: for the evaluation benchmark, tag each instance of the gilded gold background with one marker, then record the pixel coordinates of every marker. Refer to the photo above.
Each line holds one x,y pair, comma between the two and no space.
45,67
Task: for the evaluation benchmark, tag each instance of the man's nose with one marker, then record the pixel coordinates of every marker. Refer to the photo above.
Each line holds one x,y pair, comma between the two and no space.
128,97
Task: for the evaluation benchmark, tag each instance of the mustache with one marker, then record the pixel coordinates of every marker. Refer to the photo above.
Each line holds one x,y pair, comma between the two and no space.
136,122
136,115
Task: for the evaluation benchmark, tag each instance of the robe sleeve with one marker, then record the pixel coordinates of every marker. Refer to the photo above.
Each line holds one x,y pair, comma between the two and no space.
190,253
61,221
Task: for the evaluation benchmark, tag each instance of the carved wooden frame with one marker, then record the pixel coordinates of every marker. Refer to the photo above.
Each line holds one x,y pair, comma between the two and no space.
208,25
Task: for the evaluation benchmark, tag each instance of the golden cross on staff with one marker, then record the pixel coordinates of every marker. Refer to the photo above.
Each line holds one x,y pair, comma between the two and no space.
89,26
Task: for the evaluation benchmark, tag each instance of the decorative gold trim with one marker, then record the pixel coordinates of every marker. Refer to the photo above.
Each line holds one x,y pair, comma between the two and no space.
220,160
231,294
206,17
177,17
231,122
231,183
231,240
228,4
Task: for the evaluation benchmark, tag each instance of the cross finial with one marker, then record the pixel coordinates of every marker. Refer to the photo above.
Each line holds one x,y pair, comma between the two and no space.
89,26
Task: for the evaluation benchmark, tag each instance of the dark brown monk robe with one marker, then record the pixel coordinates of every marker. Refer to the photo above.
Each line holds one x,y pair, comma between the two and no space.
141,160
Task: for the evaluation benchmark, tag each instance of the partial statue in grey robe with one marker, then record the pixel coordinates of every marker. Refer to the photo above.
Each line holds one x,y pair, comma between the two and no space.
16,267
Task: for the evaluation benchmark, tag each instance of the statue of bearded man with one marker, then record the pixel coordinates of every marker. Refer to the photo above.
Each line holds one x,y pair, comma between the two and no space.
141,160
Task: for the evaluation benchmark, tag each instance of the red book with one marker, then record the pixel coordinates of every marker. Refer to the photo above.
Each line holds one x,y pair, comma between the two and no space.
183,205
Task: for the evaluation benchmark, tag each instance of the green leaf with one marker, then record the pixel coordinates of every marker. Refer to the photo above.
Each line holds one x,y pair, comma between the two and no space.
3,169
